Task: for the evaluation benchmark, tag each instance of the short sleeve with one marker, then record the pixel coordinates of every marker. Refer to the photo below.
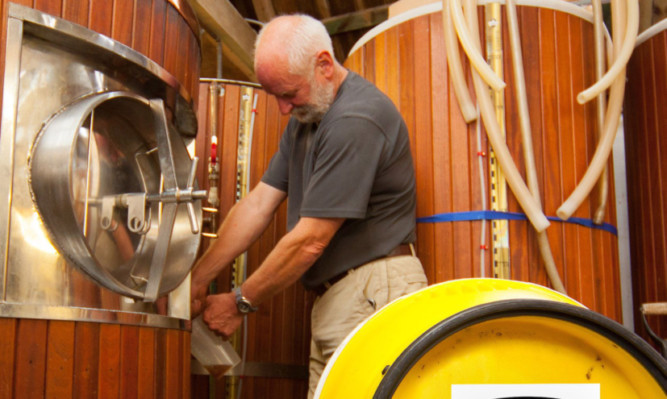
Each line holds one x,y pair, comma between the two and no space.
277,173
346,161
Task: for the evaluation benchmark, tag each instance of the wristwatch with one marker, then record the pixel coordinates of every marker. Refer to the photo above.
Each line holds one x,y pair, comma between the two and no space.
242,303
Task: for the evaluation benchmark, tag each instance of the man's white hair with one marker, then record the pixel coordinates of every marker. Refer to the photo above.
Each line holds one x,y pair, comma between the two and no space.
308,37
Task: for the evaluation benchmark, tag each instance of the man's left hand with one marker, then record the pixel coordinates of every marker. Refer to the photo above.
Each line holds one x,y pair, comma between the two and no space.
221,314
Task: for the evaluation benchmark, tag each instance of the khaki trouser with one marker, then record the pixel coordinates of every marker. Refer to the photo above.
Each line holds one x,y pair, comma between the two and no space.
354,298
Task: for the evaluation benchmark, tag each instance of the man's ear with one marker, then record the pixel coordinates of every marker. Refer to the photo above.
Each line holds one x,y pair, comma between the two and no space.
326,63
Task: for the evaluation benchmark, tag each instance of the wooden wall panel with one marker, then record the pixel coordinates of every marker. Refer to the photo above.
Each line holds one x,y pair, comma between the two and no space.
86,360
60,360
67,359
101,17
7,356
148,360
646,150
278,335
154,28
557,67
30,379
109,371
129,362
158,33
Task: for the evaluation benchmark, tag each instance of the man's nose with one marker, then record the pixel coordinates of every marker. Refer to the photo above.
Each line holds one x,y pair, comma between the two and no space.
285,107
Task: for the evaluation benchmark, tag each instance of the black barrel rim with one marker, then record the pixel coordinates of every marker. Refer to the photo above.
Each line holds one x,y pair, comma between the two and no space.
630,342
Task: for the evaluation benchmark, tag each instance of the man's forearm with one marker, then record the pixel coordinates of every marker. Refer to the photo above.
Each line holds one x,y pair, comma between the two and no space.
242,226
294,254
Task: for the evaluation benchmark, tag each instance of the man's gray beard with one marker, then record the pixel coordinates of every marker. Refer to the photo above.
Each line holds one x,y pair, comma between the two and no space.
322,98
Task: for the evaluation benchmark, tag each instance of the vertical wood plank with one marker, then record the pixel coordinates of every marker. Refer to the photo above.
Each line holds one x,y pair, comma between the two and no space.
423,139
553,195
109,366
645,125
7,356
122,21
442,131
591,272
129,362
147,360
157,34
173,381
530,28
98,17
380,62
30,360
160,363
393,66
48,7
86,360
142,18
76,11
172,43
185,364
60,360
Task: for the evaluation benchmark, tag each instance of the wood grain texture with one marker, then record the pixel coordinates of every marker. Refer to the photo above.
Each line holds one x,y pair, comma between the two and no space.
68,359
60,360
646,149
154,28
279,333
557,66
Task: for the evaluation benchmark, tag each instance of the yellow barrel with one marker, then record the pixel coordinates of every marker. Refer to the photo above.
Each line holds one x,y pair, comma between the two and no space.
490,338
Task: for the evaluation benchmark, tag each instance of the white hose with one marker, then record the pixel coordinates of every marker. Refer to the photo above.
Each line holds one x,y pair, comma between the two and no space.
611,121
526,136
514,179
250,134
457,78
520,90
621,59
472,48
603,183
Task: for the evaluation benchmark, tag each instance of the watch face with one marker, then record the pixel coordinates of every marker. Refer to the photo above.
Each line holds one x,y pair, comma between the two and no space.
244,307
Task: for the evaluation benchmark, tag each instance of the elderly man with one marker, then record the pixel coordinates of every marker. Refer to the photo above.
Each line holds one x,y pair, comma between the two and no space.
344,163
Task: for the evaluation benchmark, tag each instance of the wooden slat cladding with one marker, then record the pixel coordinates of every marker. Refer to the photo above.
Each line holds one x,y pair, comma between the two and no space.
408,62
646,157
154,28
67,359
279,333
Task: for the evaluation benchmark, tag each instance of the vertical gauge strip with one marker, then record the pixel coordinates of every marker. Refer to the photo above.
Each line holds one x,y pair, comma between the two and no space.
242,186
499,228
243,167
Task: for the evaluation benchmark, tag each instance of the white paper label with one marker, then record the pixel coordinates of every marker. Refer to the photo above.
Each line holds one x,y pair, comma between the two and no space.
526,391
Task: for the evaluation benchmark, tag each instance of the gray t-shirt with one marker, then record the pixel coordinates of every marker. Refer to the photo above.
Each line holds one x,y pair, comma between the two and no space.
355,164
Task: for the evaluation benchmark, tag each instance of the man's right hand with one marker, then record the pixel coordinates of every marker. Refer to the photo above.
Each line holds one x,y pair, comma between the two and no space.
197,300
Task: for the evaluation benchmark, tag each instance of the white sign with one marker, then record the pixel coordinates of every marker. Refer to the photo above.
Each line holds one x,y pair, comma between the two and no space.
526,391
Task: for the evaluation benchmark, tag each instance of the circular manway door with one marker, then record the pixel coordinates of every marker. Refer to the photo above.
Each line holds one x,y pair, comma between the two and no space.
113,183
492,339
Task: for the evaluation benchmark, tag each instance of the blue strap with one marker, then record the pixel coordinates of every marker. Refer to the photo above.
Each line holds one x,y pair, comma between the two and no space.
496,215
